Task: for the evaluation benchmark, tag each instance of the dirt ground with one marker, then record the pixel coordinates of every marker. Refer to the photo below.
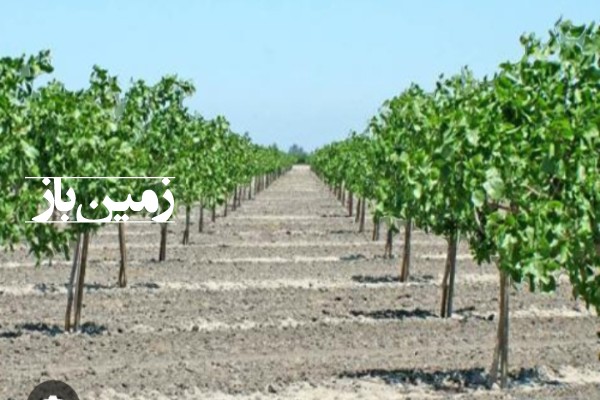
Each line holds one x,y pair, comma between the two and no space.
283,299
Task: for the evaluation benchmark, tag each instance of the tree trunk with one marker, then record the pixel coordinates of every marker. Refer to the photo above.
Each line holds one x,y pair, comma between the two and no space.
235,199
72,279
358,208
350,204
226,204
449,276
53,217
123,251
162,254
387,253
452,275
186,232
240,195
343,194
213,217
500,359
81,281
406,257
250,189
363,211
201,219
376,228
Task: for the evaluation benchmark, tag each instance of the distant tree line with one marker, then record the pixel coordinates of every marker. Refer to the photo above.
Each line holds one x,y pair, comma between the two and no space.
298,153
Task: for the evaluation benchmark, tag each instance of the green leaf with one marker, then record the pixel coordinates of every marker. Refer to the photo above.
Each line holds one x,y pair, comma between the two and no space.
478,198
494,185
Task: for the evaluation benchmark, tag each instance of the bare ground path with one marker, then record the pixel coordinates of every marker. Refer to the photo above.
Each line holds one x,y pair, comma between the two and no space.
283,299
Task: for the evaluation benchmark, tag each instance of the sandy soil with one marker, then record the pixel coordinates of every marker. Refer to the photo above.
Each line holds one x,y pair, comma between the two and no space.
283,299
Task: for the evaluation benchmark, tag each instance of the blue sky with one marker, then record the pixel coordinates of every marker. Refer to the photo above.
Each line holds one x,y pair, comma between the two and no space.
294,71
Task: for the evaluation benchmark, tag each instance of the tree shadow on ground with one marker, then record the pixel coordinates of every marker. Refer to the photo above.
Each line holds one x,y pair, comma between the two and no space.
453,380
375,279
40,327
394,314
87,328
46,288
101,286
341,231
145,285
98,286
469,313
10,334
353,257
52,288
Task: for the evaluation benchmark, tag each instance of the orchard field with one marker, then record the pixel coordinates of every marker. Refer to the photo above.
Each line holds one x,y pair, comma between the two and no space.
460,226
284,299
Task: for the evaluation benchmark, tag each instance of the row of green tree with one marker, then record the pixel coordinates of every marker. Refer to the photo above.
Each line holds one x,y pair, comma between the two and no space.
510,164
103,131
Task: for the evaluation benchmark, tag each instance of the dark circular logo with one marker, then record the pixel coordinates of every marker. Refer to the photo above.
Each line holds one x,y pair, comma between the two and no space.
53,390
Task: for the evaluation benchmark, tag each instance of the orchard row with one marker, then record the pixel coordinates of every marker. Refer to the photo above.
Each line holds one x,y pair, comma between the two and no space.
104,131
510,164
